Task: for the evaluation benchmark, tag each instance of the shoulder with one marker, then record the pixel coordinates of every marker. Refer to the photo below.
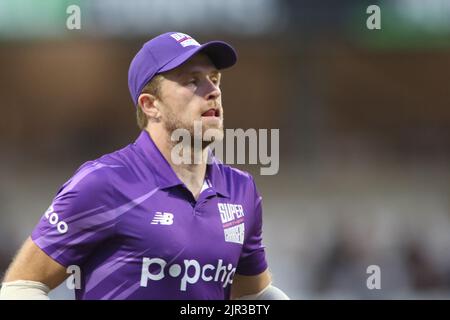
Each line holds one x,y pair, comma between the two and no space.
238,180
96,175
235,174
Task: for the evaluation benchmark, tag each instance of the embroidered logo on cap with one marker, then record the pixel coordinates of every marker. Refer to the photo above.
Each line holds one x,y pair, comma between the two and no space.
184,39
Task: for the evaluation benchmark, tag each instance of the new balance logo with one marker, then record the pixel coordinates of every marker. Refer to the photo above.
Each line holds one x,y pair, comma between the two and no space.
165,218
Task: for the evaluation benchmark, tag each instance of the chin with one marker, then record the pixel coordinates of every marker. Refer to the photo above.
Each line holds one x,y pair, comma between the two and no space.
211,134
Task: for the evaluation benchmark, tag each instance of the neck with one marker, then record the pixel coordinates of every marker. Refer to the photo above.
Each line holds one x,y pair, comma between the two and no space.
191,174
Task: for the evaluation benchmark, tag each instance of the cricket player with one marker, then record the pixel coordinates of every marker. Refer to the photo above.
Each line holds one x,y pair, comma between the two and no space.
138,224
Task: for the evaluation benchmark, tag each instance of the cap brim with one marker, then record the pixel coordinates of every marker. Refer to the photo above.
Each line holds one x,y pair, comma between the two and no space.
222,55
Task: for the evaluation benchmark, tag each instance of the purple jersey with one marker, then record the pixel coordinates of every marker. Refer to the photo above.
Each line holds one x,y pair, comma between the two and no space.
136,231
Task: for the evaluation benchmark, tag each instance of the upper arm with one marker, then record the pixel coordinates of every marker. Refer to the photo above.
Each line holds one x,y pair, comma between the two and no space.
31,263
252,261
79,219
75,223
246,285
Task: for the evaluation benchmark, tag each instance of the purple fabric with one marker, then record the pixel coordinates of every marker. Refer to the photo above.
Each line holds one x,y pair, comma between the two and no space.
136,232
169,50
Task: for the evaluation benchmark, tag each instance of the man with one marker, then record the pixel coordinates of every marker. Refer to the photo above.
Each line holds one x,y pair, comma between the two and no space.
138,223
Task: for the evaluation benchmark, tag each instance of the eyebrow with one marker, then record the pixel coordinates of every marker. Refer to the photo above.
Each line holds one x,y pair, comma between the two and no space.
193,73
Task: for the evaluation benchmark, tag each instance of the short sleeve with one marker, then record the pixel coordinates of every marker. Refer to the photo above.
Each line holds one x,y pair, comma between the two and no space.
78,219
253,258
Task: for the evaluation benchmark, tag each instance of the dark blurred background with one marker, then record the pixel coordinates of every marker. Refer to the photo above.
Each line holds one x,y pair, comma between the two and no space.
364,119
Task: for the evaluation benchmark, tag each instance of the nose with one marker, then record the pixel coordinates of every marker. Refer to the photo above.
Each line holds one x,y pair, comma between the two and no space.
212,92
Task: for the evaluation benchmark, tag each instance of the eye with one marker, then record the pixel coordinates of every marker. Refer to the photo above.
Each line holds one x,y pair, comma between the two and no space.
192,81
215,80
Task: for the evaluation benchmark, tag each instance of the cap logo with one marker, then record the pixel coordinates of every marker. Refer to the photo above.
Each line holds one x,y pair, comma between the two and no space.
184,39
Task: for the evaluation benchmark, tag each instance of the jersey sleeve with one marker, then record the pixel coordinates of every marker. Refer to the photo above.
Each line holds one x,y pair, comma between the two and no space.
253,258
78,219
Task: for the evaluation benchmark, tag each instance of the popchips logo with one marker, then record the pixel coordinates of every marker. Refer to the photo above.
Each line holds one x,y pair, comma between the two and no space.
191,272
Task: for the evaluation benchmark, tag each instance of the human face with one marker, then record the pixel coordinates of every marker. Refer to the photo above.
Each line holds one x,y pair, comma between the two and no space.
191,92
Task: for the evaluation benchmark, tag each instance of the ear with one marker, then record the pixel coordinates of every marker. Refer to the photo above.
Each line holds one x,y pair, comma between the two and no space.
149,105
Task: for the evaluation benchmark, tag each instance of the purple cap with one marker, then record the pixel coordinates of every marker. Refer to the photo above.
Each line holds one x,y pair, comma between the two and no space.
169,50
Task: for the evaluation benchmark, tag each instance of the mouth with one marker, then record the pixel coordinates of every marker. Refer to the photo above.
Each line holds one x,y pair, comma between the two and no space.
211,113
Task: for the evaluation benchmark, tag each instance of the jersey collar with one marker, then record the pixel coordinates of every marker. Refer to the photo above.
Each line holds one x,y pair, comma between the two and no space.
164,173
